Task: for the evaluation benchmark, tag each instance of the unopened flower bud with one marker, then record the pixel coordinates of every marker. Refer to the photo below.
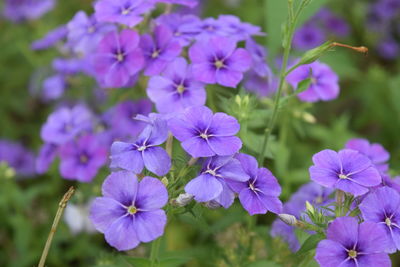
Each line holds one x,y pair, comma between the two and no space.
310,207
164,180
212,205
288,219
182,200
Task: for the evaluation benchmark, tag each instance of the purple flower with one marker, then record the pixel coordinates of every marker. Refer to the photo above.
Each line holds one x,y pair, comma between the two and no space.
17,157
211,182
382,207
130,211
176,90
337,26
375,152
144,151
348,170
352,245
19,10
308,36
260,193
389,49
54,87
258,56
118,58
125,12
69,66
121,118
183,27
324,85
65,123
262,86
219,61
238,29
209,28
189,3
204,134
160,50
81,159
85,33
51,38
47,154
315,194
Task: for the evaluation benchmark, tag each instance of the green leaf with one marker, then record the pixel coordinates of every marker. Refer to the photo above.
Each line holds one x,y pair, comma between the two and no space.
138,262
174,261
309,244
303,85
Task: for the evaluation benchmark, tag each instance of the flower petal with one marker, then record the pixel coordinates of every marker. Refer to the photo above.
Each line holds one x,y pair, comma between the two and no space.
226,145
151,195
104,211
330,253
204,188
156,160
121,234
122,156
121,186
150,224
344,230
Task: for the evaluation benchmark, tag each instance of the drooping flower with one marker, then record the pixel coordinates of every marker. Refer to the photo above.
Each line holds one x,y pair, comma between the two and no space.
65,123
51,38
382,207
81,160
125,12
213,178
312,192
18,157
204,134
144,152
159,50
308,36
130,212
375,152
347,170
217,60
350,244
260,193
20,10
85,33
175,89
258,56
324,82
118,58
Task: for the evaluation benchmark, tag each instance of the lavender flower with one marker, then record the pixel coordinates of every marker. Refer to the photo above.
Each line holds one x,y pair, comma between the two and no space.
85,33
189,3
237,29
144,151
20,10
389,49
118,58
211,182
382,207
204,134
261,85
324,85
375,152
51,38
81,160
47,154
350,244
182,26
54,87
65,123
260,193
125,12
209,28
160,50
219,61
258,56
130,212
308,36
348,170
176,90
18,157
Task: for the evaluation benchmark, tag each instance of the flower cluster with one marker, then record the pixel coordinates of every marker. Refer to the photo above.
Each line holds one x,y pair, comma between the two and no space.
18,157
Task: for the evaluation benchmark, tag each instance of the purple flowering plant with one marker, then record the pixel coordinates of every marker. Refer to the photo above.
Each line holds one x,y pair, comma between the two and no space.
180,114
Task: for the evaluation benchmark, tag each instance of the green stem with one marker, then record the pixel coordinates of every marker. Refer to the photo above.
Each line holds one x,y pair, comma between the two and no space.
155,248
286,52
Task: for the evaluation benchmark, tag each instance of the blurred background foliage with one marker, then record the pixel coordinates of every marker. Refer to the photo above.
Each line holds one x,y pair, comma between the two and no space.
368,107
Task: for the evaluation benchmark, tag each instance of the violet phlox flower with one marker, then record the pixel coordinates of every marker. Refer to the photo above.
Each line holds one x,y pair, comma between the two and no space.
204,134
375,152
188,3
125,12
143,152
81,159
182,26
20,10
51,38
47,154
382,207
159,50
308,36
85,32
118,58
217,60
260,193
176,89
130,211
214,175
324,82
351,244
17,157
347,170
237,29
66,123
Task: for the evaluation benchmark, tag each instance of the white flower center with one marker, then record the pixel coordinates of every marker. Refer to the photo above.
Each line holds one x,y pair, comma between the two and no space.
352,254
219,64
141,148
203,135
343,176
120,57
132,209
180,88
388,222
212,172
